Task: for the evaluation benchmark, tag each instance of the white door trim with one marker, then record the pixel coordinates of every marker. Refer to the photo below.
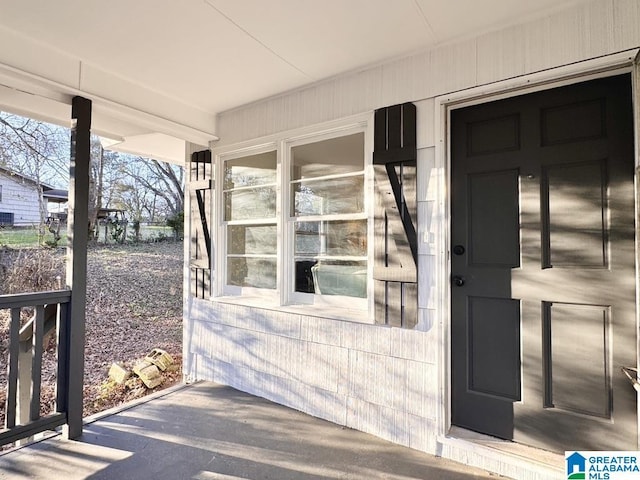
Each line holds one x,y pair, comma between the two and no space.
622,62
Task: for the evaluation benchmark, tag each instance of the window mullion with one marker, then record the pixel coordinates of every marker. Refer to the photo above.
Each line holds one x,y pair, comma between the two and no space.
286,266
327,177
328,218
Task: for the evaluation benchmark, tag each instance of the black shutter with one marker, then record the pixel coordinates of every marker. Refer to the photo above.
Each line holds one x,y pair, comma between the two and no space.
395,242
200,201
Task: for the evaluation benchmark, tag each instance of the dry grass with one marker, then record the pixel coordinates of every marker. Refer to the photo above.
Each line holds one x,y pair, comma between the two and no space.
31,270
134,304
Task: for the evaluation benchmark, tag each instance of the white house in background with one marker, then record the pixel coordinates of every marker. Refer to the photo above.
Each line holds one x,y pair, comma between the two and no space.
413,218
19,199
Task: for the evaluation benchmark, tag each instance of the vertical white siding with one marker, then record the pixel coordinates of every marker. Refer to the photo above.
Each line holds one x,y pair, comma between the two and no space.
586,31
626,24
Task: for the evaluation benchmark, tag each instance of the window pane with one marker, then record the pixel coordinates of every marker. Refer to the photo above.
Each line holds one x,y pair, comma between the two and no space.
252,239
304,276
251,203
251,272
328,157
332,278
252,170
331,238
324,197
307,239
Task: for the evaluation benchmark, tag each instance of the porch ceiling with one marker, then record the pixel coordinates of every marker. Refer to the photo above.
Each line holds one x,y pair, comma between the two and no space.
168,67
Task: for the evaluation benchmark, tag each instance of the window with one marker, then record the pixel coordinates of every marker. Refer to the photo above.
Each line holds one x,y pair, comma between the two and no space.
294,222
6,218
249,199
0,193
328,218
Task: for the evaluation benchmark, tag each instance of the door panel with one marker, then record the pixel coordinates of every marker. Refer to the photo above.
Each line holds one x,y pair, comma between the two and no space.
493,135
573,122
578,370
494,347
494,225
543,297
575,215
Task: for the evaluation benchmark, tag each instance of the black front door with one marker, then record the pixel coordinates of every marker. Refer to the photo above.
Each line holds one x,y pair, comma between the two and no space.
543,267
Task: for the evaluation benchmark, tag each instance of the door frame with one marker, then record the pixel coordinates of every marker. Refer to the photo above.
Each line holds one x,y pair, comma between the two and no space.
615,64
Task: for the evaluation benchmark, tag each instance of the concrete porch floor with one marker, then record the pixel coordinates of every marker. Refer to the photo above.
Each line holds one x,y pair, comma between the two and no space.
207,431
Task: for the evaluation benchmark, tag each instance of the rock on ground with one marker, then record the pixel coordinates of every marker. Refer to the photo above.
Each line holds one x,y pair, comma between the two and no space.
134,304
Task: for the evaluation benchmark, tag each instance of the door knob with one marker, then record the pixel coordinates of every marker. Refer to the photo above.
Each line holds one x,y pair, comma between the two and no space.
458,281
458,250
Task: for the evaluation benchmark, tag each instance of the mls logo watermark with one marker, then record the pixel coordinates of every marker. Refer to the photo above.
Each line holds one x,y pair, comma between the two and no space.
602,465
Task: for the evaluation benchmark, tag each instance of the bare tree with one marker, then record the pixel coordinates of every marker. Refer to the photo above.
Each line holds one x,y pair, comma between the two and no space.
144,187
37,150
151,186
31,148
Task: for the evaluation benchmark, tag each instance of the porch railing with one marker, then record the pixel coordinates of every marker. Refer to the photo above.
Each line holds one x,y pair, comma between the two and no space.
35,318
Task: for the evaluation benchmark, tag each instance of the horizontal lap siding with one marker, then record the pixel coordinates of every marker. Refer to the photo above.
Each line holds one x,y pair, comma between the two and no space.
21,200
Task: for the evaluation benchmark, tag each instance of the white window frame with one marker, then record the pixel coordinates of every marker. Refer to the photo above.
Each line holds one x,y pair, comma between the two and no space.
284,297
223,289
290,296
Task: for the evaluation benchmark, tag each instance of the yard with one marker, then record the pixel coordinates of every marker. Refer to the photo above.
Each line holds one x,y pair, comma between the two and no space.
134,304
28,236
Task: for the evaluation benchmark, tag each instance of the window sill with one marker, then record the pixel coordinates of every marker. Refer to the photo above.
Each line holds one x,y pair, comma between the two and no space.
320,311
